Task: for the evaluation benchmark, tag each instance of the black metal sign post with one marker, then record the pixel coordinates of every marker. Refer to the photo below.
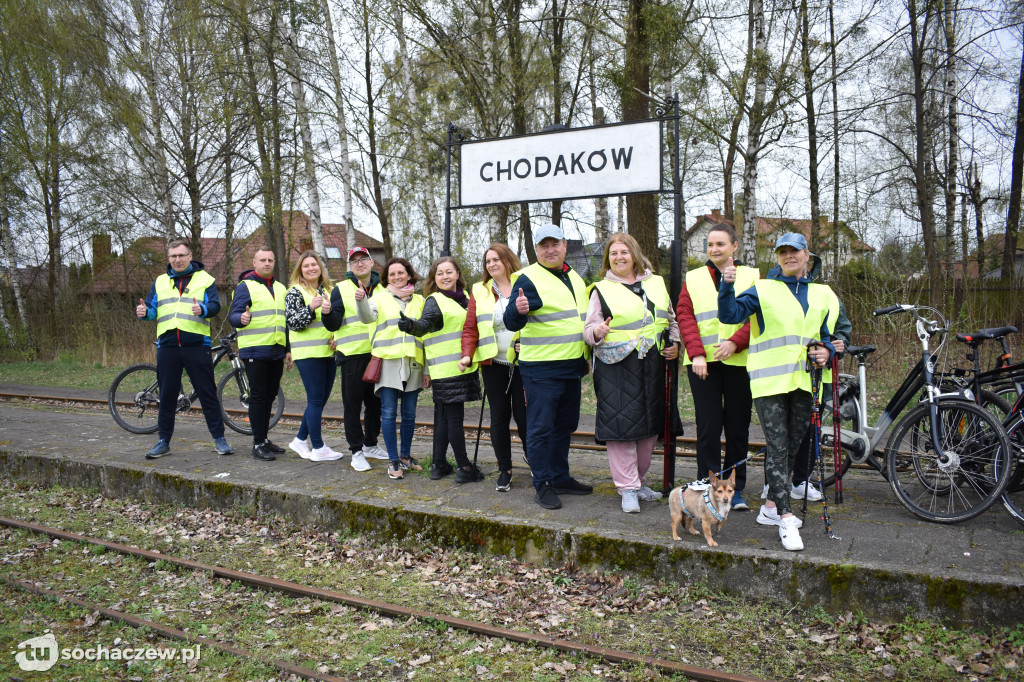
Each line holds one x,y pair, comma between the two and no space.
454,137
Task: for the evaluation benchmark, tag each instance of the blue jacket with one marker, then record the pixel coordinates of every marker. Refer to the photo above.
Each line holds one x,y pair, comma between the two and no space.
210,303
239,302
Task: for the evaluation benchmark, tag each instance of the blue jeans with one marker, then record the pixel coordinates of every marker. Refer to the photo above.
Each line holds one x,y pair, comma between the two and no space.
318,380
388,412
552,414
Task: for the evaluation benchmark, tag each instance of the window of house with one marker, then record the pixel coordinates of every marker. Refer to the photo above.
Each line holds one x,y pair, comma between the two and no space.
333,252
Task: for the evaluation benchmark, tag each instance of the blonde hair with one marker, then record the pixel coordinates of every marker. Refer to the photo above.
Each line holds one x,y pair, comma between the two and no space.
297,280
640,262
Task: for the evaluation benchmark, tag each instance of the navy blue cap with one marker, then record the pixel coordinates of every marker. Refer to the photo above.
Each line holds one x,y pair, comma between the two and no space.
794,239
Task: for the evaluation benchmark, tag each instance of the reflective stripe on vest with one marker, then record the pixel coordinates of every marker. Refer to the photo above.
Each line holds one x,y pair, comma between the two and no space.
267,326
555,331
314,340
175,312
353,337
487,344
390,342
630,317
443,348
777,361
700,285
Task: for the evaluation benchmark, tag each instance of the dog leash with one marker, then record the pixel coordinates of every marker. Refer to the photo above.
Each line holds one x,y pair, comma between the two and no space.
707,503
815,371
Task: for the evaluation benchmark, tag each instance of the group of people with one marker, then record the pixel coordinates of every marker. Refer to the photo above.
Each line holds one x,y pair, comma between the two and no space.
529,334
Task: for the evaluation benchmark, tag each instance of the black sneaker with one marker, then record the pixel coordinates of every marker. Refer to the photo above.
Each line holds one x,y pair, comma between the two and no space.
571,486
468,474
276,449
261,451
439,471
504,483
547,497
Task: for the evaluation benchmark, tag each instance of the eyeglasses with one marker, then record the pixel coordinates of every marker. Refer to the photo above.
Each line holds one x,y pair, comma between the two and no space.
360,261
179,255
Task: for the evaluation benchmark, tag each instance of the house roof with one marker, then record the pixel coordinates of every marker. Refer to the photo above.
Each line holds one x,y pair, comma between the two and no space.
769,228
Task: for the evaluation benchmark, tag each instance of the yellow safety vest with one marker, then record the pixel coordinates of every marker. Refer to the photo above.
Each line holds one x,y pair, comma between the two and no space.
777,360
267,326
353,338
390,342
487,342
443,348
313,341
700,285
175,312
555,331
630,317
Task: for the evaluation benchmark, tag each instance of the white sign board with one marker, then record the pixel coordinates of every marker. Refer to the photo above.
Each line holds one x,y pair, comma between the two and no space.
590,162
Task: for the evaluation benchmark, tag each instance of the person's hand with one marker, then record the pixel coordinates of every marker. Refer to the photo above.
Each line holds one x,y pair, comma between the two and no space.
288,361
325,307
729,274
464,363
601,330
360,293
820,355
140,309
671,351
197,309
426,382
724,350
317,301
700,367
404,323
522,303
518,345
246,316
333,345
840,345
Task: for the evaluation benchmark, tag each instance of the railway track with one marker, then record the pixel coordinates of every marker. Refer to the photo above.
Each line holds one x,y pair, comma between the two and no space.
266,583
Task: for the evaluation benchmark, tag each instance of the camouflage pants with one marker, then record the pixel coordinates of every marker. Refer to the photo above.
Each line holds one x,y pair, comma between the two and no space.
785,419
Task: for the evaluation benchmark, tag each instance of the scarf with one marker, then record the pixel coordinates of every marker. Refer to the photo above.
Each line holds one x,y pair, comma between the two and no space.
459,296
404,293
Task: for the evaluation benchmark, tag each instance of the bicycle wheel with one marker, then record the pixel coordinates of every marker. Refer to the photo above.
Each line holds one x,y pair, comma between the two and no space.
961,481
1013,496
996,404
233,392
134,399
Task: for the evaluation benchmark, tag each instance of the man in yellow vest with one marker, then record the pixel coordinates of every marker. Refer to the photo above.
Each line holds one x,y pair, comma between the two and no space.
181,301
257,312
550,306
352,353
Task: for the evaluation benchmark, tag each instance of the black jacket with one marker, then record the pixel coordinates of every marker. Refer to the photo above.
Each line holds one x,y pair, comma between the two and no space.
462,388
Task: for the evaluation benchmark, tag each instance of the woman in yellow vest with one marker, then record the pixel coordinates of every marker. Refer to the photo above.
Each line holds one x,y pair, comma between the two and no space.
401,374
716,360
307,302
787,314
632,329
444,315
486,340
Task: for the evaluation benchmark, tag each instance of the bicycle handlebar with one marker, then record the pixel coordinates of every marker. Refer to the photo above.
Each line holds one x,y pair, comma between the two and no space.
896,308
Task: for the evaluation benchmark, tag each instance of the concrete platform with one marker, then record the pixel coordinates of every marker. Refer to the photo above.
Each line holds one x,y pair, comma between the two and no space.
886,562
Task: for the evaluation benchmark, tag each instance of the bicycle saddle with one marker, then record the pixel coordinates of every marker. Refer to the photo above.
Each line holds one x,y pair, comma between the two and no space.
860,351
985,334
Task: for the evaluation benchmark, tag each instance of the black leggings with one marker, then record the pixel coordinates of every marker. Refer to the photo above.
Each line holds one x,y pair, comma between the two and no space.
448,429
507,401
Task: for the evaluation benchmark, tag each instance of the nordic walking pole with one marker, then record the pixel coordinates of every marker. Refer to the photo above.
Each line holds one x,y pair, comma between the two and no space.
837,444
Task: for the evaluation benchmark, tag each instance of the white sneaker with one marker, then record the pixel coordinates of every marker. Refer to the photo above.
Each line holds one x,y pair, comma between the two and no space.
359,462
789,534
769,516
764,492
630,504
324,454
300,447
374,452
813,494
645,494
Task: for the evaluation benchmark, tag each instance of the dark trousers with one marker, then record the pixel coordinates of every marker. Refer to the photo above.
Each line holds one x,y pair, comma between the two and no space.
355,395
552,414
264,383
804,457
503,386
195,360
449,430
722,401
784,418
318,380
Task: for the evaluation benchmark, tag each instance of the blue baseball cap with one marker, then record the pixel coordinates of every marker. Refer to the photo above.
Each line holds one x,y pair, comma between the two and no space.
794,239
548,231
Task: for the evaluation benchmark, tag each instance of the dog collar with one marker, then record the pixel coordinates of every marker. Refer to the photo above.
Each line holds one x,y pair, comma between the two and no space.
707,503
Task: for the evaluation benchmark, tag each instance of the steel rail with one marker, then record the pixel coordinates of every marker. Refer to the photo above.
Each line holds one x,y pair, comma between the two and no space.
297,589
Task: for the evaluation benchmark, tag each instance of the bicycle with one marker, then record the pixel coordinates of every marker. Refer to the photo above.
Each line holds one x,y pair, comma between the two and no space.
946,459
134,395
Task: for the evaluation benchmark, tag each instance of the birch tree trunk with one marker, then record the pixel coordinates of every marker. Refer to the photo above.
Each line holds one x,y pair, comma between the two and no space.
949,9
812,127
339,108
12,256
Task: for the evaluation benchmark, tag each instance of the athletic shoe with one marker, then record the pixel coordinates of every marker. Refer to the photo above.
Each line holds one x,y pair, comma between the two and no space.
764,492
359,462
395,471
630,503
374,452
324,454
571,486
504,483
439,471
300,447
813,494
790,535
273,447
468,474
738,503
769,516
221,444
645,494
263,452
410,464
159,450
547,497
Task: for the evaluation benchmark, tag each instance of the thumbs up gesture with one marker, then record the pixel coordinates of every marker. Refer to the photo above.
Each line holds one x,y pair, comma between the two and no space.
360,293
197,309
325,307
404,323
729,274
317,301
522,303
140,310
601,330
246,316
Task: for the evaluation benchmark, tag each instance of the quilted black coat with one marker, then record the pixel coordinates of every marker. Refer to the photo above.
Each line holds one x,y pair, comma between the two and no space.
630,397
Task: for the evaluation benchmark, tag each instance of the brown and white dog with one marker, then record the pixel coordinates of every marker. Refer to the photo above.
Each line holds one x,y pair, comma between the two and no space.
710,506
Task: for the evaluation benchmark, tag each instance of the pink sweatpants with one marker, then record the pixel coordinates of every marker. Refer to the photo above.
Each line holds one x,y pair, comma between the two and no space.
629,461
